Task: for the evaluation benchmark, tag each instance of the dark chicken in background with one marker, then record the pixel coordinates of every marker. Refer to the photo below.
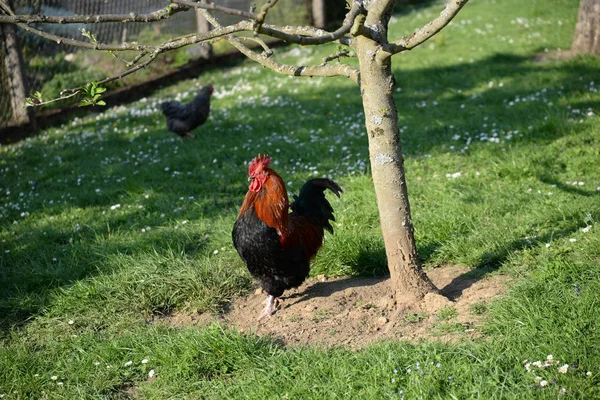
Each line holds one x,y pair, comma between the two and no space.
277,245
183,118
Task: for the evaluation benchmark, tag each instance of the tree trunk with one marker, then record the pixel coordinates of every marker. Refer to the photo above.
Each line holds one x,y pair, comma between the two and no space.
318,13
203,26
408,280
13,64
587,31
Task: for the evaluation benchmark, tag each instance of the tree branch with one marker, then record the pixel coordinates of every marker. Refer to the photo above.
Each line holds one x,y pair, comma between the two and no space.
214,7
267,50
422,34
260,18
308,35
337,56
154,51
158,15
328,70
85,45
300,35
68,93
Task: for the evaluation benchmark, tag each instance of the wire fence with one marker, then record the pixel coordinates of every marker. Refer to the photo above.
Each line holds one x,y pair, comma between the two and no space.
49,67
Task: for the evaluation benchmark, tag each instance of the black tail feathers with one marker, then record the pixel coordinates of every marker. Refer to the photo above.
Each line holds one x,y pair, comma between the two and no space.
311,201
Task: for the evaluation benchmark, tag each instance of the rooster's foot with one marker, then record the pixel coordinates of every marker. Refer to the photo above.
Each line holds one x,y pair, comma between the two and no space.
272,303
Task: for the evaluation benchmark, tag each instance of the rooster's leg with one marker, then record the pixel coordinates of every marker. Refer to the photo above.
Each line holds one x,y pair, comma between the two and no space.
272,303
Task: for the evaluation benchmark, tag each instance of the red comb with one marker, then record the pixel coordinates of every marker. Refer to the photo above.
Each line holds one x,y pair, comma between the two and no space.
259,162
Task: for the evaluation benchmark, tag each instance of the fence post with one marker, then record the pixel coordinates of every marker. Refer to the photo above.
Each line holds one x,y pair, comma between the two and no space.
16,82
203,26
318,13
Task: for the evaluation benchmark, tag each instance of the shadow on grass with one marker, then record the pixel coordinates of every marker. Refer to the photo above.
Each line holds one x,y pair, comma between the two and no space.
492,261
572,189
51,259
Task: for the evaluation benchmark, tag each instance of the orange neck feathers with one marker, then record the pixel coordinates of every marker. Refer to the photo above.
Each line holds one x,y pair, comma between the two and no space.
270,203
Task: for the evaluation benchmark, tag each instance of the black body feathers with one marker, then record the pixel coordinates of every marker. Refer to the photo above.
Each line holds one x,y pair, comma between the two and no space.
183,118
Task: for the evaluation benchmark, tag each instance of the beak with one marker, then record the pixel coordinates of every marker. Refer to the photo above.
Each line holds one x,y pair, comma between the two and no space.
250,178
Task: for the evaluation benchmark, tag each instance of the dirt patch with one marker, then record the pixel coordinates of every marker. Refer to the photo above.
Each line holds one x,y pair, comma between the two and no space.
354,312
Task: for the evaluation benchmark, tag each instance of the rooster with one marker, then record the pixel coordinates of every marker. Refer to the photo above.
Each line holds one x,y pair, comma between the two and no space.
277,245
182,118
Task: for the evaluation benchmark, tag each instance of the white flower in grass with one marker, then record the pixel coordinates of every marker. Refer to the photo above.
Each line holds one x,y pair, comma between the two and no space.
97,363
54,377
128,363
544,383
572,240
71,322
216,252
562,390
59,383
151,373
589,373
538,379
586,229
145,361
563,369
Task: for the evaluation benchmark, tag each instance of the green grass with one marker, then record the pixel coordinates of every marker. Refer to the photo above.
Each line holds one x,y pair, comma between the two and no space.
108,223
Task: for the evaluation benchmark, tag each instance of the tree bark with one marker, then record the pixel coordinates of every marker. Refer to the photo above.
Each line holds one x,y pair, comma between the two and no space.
408,281
13,64
586,39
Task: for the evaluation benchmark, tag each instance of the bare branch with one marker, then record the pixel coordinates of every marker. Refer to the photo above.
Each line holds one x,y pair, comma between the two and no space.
153,53
307,35
68,93
212,6
43,103
323,70
267,50
260,18
170,45
158,15
422,34
133,69
337,56
348,71
85,45
4,7
302,35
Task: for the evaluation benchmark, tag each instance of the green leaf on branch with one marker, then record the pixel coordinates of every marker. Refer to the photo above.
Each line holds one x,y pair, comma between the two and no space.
92,95
34,100
89,35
